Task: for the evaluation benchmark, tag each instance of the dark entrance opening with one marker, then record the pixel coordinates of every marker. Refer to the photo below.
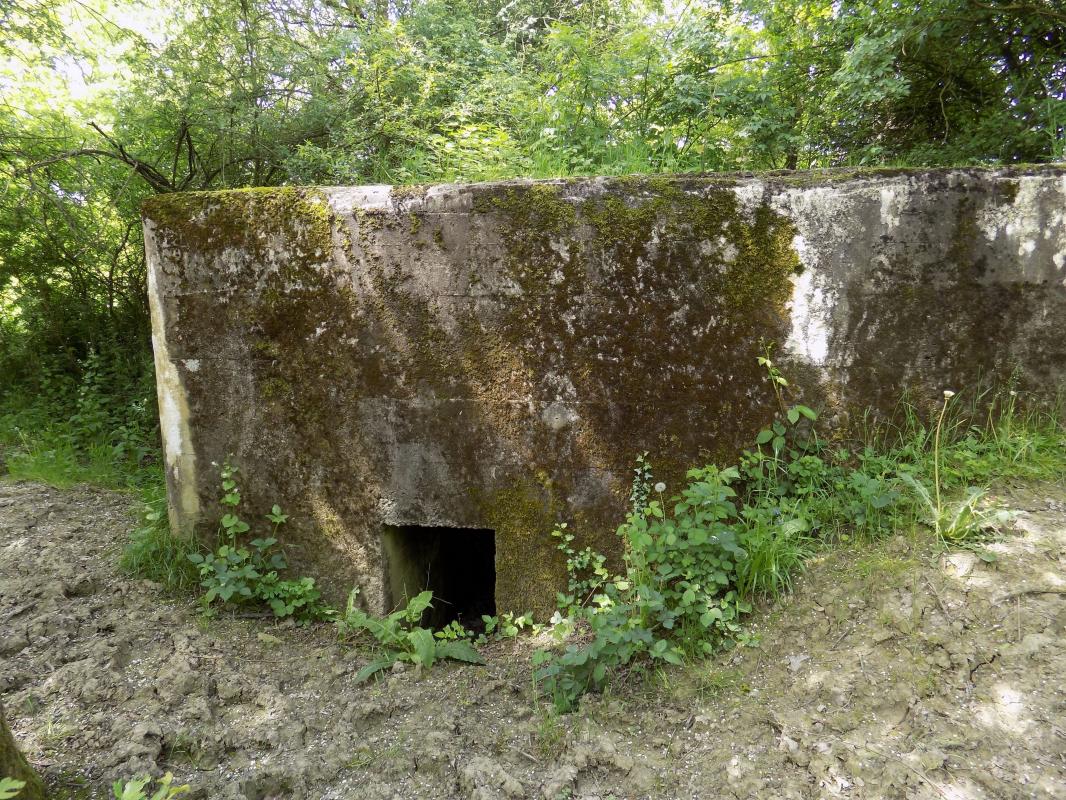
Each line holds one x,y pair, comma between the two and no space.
457,564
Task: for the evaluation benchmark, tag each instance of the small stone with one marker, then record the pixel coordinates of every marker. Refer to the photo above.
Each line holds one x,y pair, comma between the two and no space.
932,759
796,662
14,644
958,564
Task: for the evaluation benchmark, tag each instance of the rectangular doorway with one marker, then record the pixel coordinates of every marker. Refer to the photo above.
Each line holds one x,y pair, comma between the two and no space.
457,564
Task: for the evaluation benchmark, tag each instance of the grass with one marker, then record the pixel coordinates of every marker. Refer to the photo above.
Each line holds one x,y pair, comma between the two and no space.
947,459
45,445
154,552
776,553
914,469
60,464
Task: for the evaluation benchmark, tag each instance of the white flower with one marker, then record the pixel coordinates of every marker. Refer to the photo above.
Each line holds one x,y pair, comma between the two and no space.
948,394
660,487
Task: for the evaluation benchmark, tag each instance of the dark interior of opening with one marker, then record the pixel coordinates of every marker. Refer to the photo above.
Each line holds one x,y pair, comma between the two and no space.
457,564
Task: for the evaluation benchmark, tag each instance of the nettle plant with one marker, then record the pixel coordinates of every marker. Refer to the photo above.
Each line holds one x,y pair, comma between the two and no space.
675,595
238,572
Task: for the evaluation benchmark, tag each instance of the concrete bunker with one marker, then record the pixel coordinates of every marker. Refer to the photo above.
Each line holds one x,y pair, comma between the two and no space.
493,356
457,564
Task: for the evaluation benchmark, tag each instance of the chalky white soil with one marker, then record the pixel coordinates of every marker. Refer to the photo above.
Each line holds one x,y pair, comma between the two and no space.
893,671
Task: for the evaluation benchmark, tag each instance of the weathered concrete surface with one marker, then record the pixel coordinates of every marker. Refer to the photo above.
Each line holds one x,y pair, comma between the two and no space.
495,355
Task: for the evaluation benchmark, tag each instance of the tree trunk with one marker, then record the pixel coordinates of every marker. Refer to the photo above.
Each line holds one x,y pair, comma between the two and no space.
14,765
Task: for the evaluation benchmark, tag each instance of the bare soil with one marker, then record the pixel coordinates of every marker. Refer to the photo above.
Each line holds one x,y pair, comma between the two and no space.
894,671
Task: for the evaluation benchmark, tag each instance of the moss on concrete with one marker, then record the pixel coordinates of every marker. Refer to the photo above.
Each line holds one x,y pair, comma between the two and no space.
610,317
210,222
529,569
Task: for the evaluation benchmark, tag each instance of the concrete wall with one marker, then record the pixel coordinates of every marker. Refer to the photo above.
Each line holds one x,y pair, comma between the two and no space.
495,355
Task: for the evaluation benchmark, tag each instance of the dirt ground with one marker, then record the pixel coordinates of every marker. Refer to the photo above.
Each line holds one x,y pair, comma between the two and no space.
892,672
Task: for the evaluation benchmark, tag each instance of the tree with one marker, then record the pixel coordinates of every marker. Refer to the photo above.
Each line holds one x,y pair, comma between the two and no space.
14,765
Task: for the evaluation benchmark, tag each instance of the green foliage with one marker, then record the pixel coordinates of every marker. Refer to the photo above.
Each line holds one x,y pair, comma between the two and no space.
453,631
9,788
154,552
401,639
508,625
239,573
93,422
136,789
693,564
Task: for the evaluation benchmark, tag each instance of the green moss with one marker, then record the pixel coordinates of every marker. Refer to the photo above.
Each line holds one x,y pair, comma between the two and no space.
756,255
528,566
264,347
533,210
1006,192
400,194
275,387
648,242
207,222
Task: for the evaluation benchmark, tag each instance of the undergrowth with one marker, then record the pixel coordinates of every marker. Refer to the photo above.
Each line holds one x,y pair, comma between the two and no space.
250,570
695,560
95,425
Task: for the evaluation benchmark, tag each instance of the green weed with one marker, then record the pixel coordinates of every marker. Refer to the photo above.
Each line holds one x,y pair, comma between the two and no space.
154,552
239,572
136,789
551,734
401,639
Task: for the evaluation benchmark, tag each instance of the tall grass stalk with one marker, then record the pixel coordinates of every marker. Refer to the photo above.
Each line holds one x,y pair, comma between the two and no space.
948,394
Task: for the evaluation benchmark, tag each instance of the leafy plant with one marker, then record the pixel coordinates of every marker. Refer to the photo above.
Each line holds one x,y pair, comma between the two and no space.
678,591
401,639
958,521
454,631
237,573
9,788
135,789
508,625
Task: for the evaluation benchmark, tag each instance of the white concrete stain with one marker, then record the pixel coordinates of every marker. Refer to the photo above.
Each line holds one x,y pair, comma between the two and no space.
810,312
173,404
893,200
